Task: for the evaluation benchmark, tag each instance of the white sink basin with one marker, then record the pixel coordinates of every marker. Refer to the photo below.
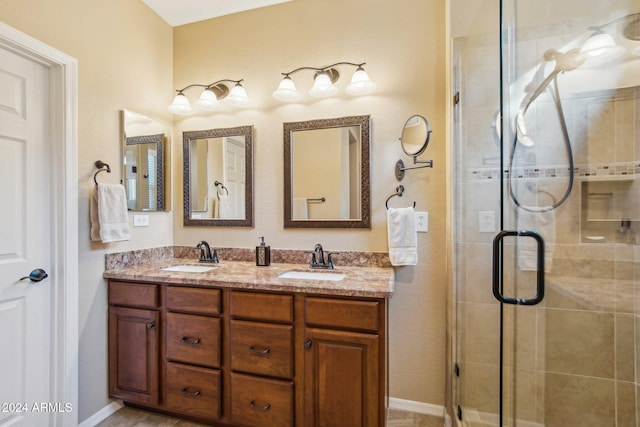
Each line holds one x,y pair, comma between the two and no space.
189,268
311,275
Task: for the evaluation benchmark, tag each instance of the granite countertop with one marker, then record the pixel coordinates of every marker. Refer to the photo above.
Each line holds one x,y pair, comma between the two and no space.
359,281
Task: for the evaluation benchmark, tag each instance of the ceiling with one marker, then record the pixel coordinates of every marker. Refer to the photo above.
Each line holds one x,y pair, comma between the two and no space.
180,12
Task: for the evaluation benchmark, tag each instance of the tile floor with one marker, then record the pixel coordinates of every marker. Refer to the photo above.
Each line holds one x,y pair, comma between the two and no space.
129,417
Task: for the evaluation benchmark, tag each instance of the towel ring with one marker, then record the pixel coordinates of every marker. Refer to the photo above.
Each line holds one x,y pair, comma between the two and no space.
218,183
101,168
399,191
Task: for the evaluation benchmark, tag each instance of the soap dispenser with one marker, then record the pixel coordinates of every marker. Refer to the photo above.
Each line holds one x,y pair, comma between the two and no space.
263,254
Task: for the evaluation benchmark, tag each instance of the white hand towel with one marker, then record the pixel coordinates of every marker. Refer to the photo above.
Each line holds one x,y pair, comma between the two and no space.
223,207
542,223
403,238
300,208
113,217
93,215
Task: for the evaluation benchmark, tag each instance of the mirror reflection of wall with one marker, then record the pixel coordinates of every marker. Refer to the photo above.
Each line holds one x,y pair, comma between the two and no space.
218,177
326,173
144,162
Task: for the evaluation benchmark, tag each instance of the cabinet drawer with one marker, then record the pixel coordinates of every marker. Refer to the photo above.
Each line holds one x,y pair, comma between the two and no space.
261,402
342,313
260,306
193,339
193,390
193,300
262,348
133,294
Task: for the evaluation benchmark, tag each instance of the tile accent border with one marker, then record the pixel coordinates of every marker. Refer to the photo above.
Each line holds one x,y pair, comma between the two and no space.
626,170
120,260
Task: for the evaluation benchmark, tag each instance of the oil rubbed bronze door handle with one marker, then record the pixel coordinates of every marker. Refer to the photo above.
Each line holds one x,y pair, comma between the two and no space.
497,270
189,340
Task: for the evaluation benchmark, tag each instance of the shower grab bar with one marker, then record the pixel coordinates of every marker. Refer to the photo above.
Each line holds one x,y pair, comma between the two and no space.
497,270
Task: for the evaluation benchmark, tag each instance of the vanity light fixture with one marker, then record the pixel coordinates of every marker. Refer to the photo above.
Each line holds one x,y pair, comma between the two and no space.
323,83
212,93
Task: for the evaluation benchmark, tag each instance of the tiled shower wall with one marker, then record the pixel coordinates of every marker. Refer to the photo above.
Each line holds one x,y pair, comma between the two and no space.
575,356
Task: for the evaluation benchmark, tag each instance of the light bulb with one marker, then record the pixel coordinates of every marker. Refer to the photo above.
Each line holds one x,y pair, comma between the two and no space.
238,96
208,101
287,90
360,83
180,105
322,86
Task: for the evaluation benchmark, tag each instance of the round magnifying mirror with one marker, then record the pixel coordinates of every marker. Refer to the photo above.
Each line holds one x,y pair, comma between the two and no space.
415,135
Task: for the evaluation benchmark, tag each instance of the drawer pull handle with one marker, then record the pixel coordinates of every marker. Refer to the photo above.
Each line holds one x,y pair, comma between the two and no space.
253,350
308,344
261,407
189,340
186,392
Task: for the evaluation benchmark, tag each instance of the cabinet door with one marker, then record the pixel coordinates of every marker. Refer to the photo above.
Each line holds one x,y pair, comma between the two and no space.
133,354
342,379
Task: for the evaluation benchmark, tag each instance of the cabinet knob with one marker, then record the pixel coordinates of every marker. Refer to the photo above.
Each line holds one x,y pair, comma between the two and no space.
151,325
307,344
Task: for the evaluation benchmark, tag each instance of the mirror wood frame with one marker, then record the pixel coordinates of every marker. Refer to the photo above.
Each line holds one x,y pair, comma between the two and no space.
187,137
364,122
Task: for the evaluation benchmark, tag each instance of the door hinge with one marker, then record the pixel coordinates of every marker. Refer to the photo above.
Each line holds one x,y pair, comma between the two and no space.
457,370
459,413
456,98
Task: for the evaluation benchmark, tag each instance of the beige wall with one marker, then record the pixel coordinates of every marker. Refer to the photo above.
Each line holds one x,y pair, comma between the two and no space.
403,45
124,54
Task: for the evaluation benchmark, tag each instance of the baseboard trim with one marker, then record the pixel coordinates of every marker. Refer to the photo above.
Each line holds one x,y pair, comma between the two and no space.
101,415
419,407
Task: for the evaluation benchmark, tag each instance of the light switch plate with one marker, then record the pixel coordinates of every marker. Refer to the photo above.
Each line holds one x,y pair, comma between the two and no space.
422,222
141,220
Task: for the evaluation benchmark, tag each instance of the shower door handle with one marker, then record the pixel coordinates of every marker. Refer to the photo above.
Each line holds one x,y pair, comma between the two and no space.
497,270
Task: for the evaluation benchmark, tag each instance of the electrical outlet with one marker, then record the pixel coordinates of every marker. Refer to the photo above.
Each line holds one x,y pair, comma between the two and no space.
422,221
487,222
141,220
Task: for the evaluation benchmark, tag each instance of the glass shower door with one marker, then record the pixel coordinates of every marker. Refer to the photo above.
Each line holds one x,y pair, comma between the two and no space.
547,155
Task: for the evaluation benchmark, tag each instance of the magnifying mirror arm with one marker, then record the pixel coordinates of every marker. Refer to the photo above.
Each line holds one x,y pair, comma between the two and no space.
400,166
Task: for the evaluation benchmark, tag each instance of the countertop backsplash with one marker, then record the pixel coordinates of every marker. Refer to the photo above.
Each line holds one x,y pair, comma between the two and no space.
119,260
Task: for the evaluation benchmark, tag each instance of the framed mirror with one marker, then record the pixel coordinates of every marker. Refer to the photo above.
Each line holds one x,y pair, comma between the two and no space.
144,162
218,177
327,173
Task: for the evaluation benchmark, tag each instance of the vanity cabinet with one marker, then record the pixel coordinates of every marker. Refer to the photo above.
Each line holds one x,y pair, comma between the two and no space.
134,342
238,357
344,362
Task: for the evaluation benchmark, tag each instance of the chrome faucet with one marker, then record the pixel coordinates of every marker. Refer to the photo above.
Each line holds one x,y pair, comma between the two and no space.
317,258
205,253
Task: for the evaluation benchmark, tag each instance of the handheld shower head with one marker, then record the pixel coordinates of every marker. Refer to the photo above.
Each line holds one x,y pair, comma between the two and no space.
565,61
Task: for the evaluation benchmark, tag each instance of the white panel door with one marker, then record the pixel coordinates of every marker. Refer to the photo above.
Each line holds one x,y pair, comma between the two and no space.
25,244
234,162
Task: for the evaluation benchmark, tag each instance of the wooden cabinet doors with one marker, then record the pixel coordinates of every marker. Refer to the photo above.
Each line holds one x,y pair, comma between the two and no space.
342,379
134,354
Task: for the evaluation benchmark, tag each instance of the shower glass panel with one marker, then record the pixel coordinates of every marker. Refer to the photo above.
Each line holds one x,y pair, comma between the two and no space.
547,141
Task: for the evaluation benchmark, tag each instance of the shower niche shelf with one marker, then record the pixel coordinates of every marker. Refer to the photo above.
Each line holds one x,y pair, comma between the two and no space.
609,201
